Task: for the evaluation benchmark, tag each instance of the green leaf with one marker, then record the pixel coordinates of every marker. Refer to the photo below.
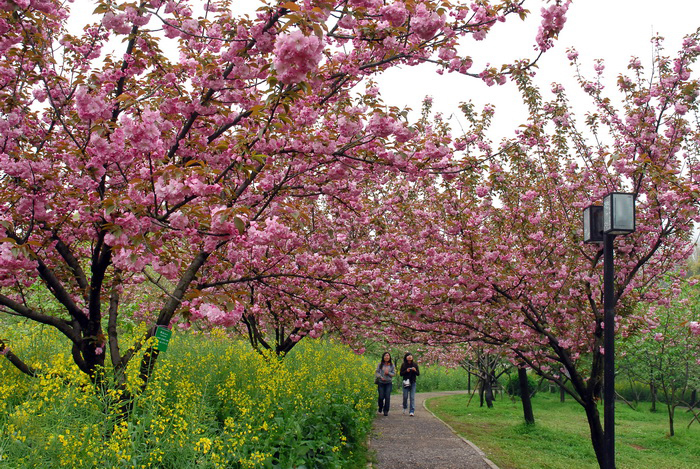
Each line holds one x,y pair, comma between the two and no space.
101,9
239,224
290,6
110,206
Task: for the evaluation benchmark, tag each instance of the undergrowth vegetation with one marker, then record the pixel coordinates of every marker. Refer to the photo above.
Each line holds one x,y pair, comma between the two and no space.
213,403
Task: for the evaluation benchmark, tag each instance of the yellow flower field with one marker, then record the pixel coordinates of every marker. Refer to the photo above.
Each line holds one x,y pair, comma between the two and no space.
213,403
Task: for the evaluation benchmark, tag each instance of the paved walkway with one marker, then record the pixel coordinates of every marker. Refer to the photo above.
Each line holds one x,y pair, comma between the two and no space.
422,441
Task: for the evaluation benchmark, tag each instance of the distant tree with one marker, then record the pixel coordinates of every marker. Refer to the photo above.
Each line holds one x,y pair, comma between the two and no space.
693,267
670,351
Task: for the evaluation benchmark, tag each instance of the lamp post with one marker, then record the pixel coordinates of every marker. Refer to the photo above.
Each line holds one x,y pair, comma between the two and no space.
601,225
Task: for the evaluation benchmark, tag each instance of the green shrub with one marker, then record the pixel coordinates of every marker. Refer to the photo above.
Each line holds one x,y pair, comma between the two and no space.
440,378
512,385
636,391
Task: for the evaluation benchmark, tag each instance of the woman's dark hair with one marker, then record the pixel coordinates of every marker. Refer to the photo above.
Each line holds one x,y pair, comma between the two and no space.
382,359
406,356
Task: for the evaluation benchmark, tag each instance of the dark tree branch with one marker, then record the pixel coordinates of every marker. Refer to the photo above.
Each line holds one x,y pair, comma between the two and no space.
62,325
72,262
112,325
99,267
16,361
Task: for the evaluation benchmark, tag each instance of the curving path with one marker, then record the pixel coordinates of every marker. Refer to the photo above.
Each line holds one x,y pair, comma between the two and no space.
422,441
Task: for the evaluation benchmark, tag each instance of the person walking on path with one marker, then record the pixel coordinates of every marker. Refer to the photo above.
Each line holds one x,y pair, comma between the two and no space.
409,371
384,376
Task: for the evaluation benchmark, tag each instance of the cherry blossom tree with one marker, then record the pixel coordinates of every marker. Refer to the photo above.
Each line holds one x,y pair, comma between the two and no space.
667,355
192,157
497,253
297,280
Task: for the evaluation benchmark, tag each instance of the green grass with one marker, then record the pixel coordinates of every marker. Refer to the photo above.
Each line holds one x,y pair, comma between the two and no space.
560,438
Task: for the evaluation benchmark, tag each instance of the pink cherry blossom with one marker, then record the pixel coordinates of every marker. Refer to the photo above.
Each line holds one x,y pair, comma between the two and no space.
694,327
118,23
296,55
553,19
395,13
91,105
426,23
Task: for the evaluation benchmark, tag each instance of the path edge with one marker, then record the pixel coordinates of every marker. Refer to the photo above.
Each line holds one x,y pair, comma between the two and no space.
474,447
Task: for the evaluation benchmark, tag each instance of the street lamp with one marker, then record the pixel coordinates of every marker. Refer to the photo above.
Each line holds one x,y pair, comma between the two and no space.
602,224
618,213
593,224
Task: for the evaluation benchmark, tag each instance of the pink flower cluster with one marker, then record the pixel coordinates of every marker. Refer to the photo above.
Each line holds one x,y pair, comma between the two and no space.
144,134
11,262
296,55
270,232
10,5
365,3
395,13
91,106
380,125
483,19
694,327
118,23
426,23
553,19
349,127
217,316
121,23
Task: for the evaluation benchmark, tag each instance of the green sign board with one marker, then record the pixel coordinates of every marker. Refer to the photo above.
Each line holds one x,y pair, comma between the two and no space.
163,335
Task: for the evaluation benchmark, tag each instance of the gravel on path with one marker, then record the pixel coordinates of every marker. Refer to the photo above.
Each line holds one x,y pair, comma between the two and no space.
399,441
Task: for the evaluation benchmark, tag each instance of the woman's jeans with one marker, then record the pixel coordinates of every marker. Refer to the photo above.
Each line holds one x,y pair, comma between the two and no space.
384,397
412,391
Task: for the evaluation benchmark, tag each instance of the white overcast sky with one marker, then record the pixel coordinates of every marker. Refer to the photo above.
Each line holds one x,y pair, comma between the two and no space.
613,30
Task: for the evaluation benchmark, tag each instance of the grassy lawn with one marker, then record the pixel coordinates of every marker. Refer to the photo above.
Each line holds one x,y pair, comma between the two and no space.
560,437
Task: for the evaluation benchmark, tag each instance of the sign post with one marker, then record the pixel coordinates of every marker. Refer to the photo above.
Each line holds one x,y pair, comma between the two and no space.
163,335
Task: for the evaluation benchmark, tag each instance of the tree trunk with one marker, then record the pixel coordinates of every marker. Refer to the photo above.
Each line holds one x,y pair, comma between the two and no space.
525,396
488,393
634,393
562,394
652,390
671,410
481,392
597,435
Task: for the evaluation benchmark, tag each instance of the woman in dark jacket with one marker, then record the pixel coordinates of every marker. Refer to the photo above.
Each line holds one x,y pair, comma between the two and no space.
409,371
384,376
